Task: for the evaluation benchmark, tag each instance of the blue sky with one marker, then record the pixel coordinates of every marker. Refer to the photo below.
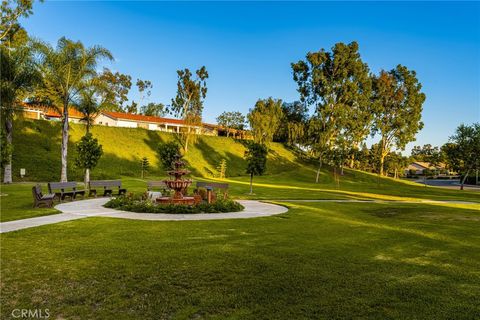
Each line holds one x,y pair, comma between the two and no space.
247,47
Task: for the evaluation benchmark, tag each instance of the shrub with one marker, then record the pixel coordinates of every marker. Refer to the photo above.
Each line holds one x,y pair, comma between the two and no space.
137,203
167,152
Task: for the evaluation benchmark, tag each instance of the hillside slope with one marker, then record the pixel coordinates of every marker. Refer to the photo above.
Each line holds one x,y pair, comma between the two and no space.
37,149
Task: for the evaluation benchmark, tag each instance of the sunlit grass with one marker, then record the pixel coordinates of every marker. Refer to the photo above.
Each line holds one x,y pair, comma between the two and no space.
319,260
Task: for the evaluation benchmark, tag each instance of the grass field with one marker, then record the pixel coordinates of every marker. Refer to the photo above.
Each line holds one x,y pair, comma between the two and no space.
400,259
319,260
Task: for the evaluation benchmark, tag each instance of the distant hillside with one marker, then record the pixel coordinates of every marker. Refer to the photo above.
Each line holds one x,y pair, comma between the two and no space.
37,149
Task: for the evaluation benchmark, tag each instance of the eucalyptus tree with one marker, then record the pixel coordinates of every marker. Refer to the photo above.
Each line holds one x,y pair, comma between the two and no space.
188,103
293,123
66,71
117,86
11,11
265,119
397,109
19,77
153,109
334,84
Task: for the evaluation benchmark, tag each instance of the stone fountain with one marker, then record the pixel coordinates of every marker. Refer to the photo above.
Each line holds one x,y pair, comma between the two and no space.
178,184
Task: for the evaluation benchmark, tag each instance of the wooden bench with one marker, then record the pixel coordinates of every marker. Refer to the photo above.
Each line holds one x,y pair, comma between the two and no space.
41,199
65,189
107,186
157,185
211,186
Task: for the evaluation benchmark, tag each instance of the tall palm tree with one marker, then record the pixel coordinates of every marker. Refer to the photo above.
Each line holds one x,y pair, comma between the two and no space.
18,78
66,71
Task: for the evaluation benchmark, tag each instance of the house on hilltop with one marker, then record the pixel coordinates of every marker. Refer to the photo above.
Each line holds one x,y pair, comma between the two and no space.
119,119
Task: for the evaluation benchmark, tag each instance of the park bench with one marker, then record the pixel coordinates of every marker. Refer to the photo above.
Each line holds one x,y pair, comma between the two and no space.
39,198
107,185
65,189
210,187
157,185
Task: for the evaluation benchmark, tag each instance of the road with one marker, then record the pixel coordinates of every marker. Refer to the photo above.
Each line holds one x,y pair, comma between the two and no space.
447,183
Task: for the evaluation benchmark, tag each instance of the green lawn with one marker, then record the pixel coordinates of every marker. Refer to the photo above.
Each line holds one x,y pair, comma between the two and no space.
319,260
16,200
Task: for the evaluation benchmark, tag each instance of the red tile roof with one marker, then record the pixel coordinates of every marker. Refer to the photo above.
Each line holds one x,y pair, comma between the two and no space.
53,112
139,117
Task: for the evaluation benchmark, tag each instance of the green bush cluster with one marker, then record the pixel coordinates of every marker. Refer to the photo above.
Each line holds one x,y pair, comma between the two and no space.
136,203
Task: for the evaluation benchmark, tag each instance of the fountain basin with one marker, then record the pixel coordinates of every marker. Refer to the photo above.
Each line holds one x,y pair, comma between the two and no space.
183,200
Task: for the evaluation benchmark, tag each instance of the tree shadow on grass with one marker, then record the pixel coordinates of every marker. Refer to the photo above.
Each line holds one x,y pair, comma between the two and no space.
213,158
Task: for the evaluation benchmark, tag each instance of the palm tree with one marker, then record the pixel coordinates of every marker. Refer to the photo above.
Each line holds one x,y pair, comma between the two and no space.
90,102
18,78
66,71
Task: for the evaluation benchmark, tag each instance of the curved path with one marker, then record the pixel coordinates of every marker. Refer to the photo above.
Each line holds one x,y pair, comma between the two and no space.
94,208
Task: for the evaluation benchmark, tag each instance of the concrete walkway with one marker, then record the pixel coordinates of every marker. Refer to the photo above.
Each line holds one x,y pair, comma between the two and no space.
94,208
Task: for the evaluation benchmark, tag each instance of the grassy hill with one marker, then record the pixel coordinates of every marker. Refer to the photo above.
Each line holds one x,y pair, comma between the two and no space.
37,149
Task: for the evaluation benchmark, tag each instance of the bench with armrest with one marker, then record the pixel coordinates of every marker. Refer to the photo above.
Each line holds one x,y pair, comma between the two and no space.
107,186
210,187
41,199
65,189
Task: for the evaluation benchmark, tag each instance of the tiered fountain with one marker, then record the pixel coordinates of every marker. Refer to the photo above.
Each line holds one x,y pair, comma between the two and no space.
178,184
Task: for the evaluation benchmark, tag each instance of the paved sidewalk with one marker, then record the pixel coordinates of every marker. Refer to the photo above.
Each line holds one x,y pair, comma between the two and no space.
94,208
38,221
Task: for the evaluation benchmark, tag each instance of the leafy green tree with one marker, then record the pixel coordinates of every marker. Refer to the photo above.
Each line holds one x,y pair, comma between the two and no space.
66,71
167,152
397,104
153,109
145,165
231,120
293,123
89,152
12,10
19,77
256,157
144,88
335,84
132,108
395,163
265,119
188,103
427,153
463,151
117,86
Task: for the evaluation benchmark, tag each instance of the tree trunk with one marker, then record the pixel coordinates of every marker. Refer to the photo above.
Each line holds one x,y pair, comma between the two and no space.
463,180
251,183
319,168
7,175
65,127
87,178
382,160
341,170
352,161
